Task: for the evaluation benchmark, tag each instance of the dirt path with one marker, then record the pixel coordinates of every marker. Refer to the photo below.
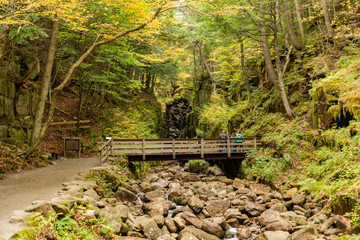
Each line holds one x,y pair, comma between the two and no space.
18,191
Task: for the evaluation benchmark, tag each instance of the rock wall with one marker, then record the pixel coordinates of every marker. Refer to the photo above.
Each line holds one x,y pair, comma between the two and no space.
18,99
176,119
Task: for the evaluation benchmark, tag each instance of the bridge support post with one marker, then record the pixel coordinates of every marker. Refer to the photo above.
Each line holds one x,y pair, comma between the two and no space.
112,147
228,147
143,149
173,148
202,148
255,147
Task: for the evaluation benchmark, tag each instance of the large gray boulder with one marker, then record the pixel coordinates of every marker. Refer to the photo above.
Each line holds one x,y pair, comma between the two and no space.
309,232
213,228
269,216
149,227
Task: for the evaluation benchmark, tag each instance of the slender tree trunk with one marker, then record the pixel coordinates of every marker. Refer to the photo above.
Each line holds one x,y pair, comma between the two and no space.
326,16
278,14
279,71
244,71
199,43
290,28
194,52
266,50
299,18
67,78
45,82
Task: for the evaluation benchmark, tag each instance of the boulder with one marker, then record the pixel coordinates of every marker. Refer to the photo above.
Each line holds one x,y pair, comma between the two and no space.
298,199
92,193
210,189
244,233
187,236
200,234
289,193
42,207
124,195
196,204
238,183
191,219
170,224
212,228
158,206
279,207
179,222
308,232
217,207
60,209
254,208
191,178
149,196
281,225
273,235
150,228
269,216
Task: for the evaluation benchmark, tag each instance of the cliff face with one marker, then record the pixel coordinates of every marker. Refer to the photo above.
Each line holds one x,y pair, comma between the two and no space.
176,120
18,98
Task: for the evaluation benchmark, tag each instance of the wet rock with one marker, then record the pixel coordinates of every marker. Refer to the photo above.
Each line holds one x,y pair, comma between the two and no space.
159,220
270,235
187,236
244,233
233,222
179,222
122,194
200,234
212,228
298,199
150,228
308,232
115,216
217,207
196,204
158,206
191,219
149,196
170,224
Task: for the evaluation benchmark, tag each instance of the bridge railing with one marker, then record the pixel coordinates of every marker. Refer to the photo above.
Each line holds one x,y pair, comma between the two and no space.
105,150
176,147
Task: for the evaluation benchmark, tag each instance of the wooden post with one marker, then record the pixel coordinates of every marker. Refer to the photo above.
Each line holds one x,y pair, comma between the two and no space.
112,147
173,148
107,153
143,149
101,153
202,148
64,148
255,147
228,147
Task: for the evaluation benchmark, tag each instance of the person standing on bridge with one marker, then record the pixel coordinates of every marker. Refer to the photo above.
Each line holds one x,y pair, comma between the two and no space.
240,136
223,136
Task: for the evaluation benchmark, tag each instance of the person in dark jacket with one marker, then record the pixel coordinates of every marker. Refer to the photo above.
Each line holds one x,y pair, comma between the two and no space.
223,136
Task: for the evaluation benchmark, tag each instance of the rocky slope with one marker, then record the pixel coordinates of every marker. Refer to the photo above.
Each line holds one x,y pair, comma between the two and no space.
172,203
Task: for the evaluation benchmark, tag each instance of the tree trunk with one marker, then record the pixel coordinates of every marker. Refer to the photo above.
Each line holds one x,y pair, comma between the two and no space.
278,14
326,16
68,75
290,28
299,18
266,50
199,43
283,94
244,71
45,82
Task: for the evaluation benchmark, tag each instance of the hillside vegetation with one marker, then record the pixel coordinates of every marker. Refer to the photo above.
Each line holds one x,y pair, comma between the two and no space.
286,71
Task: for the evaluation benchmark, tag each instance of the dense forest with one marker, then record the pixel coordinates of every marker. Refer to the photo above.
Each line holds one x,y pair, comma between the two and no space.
285,71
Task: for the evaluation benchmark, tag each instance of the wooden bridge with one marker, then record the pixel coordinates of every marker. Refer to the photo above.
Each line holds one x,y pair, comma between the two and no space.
178,149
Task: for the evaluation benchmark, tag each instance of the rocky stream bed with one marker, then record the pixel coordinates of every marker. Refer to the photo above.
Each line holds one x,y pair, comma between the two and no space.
172,203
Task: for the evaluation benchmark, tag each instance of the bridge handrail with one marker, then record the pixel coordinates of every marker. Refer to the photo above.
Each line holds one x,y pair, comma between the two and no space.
105,150
177,146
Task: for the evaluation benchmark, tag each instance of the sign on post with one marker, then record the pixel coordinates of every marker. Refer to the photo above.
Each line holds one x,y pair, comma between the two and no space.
72,144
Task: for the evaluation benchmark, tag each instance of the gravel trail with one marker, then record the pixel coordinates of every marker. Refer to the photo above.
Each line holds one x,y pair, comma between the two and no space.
18,191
